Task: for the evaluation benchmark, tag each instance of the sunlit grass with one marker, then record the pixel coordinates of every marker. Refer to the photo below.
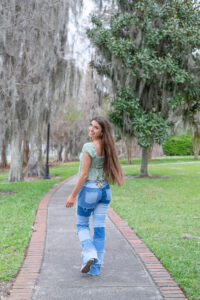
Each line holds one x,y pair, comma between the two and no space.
161,160
159,210
162,210
17,214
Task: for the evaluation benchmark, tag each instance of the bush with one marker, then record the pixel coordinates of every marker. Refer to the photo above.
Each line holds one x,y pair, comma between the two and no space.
179,145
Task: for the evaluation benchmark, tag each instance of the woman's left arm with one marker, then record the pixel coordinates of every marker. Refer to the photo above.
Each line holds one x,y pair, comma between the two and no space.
84,174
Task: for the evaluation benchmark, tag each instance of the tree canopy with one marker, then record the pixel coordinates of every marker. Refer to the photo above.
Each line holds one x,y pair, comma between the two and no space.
148,51
32,75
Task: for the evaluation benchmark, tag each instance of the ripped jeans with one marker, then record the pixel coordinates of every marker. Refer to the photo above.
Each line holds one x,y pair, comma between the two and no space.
93,200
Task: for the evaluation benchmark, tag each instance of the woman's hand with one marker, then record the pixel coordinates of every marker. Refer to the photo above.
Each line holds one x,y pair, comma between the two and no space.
70,201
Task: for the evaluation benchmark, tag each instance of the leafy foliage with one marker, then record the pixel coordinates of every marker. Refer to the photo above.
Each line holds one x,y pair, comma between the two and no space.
131,118
149,47
178,145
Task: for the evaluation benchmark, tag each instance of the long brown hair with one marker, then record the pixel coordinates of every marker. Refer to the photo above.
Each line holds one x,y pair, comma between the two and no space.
111,164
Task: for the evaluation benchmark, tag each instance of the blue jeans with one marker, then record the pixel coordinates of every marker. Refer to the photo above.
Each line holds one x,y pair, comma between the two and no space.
93,200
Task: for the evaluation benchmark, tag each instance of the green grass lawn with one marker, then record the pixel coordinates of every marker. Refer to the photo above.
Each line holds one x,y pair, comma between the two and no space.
160,211
17,215
161,160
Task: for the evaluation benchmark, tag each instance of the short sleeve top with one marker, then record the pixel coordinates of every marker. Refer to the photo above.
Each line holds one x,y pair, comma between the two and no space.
96,168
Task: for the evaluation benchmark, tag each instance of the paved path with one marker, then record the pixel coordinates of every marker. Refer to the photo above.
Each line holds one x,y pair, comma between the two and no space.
123,276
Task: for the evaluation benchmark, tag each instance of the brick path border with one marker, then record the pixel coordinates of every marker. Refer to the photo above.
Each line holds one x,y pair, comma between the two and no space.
167,286
23,285
25,280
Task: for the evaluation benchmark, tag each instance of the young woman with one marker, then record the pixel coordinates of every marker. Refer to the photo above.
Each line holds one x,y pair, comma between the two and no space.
99,166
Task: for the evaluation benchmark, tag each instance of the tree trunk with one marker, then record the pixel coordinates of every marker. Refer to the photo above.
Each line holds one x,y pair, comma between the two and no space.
35,165
15,173
144,163
65,159
59,154
129,146
196,144
150,153
4,163
26,153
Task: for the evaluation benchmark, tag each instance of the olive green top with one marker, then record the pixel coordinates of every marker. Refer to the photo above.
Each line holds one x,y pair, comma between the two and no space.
96,168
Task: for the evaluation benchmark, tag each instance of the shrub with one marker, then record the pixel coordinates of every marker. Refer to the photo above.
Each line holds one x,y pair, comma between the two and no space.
179,145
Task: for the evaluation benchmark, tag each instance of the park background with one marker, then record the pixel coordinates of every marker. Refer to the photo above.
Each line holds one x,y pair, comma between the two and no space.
136,63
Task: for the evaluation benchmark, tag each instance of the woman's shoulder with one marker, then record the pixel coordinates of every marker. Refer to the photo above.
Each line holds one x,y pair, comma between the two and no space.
88,144
90,149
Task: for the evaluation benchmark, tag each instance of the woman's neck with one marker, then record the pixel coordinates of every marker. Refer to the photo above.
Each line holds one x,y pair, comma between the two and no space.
96,140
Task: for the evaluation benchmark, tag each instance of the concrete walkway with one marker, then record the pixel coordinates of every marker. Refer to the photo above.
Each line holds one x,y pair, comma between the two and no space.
123,276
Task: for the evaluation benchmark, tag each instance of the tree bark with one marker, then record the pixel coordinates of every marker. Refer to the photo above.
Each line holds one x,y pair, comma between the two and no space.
4,163
196,144
59,153
26,153
15,173
144,163
129,146
150,153
65,159
35,165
